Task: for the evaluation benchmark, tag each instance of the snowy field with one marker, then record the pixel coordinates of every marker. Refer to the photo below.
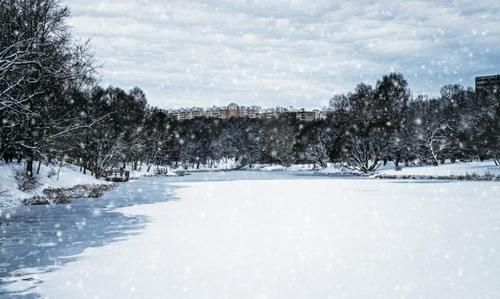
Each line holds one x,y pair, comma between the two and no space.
261,235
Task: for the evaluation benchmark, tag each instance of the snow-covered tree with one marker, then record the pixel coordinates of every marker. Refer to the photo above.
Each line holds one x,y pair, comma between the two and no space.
39,60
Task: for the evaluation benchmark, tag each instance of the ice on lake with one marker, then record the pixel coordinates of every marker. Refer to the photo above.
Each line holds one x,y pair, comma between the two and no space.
260,235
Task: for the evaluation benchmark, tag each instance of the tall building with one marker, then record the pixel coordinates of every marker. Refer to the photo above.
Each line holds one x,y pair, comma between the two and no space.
488,83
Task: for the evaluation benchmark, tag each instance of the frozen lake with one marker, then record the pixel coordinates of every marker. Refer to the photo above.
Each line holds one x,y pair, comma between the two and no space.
260,235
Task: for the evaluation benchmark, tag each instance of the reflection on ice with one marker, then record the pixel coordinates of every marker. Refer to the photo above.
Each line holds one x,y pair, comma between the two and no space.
42,238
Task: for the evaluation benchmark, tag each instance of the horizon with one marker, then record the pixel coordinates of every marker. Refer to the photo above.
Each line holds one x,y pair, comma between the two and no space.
204,53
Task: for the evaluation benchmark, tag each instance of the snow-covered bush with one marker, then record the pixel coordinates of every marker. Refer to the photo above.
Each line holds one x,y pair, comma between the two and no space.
24,181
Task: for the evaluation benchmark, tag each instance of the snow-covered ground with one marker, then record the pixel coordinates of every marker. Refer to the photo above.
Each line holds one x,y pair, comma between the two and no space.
447,170
255,237
70,175
49,177
145,170
331,169
52,176
458,169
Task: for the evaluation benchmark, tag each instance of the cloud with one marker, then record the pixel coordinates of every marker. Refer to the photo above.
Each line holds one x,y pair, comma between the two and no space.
285,52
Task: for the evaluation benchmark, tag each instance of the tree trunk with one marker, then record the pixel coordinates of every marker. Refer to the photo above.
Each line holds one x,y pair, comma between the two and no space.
29,167
97,171
59,170
7,157
38,168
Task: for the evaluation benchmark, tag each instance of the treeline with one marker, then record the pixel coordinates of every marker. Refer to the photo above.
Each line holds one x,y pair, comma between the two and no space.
364,129
53,111
385,122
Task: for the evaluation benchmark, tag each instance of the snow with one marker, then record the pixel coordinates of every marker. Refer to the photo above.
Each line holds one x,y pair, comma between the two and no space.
290,237
225,164
272,168
338,170
8,184
69,176
331,169
142,170
447,170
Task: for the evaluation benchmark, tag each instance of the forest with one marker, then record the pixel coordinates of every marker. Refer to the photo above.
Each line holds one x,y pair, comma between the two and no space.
53,110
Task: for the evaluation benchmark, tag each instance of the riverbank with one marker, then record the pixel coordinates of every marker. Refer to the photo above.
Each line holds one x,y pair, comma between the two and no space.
470,171
56,184
50,183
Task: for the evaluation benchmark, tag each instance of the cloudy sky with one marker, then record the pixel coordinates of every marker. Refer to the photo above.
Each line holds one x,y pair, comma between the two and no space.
285,52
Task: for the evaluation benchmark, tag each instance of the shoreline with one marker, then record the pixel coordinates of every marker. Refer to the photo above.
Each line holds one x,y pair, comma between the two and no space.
57,193
66,195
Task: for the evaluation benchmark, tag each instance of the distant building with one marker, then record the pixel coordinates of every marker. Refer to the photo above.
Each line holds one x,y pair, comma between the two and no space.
304,115
268,113
320,115
197,112
187,113
232,110
235,111
253,112
214,112
488,83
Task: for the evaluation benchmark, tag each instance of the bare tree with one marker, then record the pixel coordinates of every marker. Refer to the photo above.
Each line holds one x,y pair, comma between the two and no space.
280,140
431,132
38,62
319,145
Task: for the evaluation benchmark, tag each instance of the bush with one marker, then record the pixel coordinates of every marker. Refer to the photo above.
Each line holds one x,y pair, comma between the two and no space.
25,182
